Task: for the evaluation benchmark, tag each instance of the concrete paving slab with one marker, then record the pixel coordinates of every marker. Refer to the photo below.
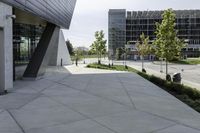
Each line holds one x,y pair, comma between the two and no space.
19,84
59,90
110,92
92,106
169,109
178,129
34,115
77,82
148,90
25,90
1,110
7,124
134,122
16,100
85,126
41,84
56,76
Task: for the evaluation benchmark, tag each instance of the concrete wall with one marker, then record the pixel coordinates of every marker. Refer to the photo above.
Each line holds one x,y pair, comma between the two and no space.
60,52
6,48
63,52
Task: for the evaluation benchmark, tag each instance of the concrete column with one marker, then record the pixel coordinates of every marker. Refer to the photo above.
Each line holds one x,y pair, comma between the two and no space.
6,48
40,59
63,52
60,52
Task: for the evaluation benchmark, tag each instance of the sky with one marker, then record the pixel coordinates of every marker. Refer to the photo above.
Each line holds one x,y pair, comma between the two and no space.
92,15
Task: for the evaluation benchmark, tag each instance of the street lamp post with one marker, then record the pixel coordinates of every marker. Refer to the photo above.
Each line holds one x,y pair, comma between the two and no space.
83,57
112,59
161,66
109,58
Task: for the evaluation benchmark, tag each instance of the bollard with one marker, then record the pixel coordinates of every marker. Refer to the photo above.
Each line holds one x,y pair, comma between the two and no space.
61,62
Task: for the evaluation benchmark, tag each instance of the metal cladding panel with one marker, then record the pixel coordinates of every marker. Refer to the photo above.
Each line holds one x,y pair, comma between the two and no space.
58,12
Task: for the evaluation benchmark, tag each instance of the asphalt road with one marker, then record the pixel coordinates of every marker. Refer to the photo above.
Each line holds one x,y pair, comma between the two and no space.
190,73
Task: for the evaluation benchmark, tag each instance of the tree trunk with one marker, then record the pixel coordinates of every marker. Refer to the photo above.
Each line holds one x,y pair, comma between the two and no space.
142,62
100,59
161,65
166,67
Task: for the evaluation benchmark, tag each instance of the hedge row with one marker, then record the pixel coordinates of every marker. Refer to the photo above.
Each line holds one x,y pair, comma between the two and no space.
188,95
178,89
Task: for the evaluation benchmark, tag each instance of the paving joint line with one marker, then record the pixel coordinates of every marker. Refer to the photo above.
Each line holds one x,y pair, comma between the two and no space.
86,116
155,131
66,77
80,112
169,119
85,91
21,128
2,110
88,83
27,102
125,89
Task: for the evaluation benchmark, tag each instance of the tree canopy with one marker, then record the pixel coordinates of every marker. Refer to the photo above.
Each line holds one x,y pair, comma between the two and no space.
99,45
143,47
167,45
70,47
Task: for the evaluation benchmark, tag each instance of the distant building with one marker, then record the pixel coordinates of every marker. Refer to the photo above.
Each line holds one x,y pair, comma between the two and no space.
127,26
133,54
83,49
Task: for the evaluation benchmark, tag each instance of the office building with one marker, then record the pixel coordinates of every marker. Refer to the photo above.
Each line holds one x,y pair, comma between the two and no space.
127,26
30,34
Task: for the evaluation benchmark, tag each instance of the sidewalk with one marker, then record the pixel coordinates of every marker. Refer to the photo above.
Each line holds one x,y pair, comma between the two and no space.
81,100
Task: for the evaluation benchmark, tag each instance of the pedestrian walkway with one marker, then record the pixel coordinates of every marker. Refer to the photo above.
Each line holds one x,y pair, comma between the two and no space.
83,100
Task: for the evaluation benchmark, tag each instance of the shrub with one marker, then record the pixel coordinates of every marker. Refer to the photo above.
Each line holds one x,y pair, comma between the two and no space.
157,80
168,77
144,71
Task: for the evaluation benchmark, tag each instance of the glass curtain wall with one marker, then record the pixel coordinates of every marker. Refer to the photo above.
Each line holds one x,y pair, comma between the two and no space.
25,40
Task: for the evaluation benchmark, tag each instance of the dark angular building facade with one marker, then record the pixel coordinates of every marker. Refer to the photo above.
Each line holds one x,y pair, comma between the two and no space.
30,35
127,26
58,12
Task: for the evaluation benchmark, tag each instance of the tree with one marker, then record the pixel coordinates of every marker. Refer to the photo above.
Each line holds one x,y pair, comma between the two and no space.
99,45
125,51
77,55
167,45
70,47
119,52
143,48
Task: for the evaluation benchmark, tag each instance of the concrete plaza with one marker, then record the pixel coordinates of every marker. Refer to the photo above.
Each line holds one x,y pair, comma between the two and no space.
82,100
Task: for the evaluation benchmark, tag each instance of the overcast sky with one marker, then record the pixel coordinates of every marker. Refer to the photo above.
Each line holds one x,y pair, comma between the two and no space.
92,15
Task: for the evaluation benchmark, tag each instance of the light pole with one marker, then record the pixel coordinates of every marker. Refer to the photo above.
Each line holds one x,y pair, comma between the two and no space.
109,58
112,59
161,66
125,57
83,57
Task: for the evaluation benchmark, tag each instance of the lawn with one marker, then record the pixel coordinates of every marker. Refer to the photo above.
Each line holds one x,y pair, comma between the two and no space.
188,95
114,67
86,56
189,61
